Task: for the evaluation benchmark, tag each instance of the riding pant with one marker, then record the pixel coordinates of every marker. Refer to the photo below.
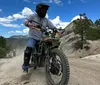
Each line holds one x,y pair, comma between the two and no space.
27,53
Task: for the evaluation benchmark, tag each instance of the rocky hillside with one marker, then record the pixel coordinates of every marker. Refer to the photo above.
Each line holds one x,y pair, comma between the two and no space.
70,38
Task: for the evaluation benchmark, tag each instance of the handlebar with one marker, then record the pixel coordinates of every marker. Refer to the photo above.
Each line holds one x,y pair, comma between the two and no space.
39,26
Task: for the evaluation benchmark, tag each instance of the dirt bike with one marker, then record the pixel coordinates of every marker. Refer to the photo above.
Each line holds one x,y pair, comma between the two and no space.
47,54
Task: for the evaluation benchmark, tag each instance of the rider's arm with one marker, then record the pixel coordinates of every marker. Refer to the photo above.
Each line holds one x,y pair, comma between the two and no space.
50,25
27,21
55,31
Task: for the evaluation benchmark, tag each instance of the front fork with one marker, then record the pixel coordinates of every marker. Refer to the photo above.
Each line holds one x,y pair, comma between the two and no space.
52,64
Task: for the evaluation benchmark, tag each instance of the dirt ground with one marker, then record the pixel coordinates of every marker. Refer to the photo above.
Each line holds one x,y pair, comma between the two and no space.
82,72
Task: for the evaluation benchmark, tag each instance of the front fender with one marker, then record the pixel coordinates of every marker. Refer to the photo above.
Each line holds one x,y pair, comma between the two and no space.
56,46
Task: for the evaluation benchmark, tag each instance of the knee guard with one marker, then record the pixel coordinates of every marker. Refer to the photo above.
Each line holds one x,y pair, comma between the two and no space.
27,55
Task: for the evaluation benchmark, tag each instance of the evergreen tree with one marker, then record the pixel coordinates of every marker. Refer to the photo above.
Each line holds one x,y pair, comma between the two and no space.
2,42
97,22
4,49
82,25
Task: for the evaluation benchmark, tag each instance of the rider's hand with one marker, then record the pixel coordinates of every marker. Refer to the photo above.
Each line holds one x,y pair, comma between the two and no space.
30,25
57,34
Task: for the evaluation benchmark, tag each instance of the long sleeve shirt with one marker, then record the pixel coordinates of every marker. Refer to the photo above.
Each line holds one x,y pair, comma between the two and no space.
44,22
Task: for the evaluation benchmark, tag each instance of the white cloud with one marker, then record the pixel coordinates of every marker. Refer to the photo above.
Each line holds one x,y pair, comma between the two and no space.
58,23
11,32
57,1
10,25
51,1
6,20
19,32
0,10
18,16
83,1
22,24
24,31
76,17
27,11
35,2
47,16
27,0
9,17
69,2
15,32
56,20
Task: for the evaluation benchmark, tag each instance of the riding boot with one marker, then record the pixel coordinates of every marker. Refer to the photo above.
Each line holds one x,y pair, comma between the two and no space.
27,55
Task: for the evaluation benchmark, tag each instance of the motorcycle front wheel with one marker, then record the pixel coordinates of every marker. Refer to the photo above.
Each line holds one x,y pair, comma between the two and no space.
57,68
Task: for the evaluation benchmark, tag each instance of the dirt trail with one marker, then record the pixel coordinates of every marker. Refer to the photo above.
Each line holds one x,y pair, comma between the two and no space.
82,72
12,74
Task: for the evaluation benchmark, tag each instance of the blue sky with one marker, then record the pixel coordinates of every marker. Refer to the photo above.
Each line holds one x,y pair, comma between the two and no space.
61,13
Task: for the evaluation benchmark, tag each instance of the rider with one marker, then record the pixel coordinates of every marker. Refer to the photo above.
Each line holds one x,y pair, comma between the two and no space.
35,35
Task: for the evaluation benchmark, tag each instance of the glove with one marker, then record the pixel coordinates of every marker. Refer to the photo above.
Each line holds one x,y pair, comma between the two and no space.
30,25
55,30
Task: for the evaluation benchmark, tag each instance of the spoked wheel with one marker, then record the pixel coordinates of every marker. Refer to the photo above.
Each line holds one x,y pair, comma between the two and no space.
57,68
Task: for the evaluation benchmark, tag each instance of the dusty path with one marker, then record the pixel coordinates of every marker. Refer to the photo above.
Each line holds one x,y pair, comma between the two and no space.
82,72
12,74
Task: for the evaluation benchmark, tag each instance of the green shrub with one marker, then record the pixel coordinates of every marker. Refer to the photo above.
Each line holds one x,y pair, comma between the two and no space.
2,52
93,33
87,47
2,42
4,49
77,45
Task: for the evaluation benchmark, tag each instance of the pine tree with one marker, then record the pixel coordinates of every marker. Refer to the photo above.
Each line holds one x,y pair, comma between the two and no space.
97,22
81,28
